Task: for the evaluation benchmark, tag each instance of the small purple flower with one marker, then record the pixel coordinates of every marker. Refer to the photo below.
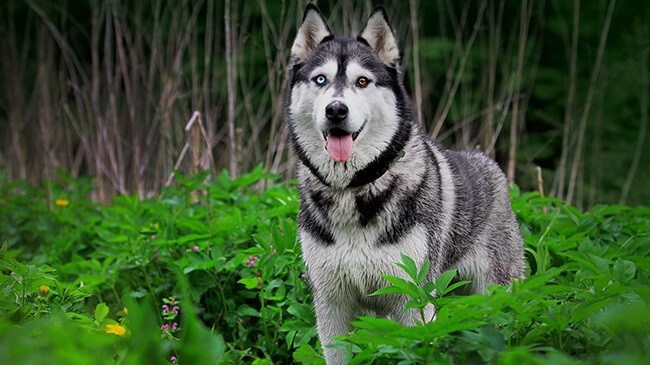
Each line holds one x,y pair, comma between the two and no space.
165,308
175,309
251,261
195,248
174,326
173,359
165,327
153,237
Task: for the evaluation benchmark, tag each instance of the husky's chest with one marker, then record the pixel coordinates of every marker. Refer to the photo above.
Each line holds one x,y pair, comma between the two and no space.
352,262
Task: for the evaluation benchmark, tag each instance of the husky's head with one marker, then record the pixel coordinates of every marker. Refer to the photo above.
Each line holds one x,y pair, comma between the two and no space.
348,113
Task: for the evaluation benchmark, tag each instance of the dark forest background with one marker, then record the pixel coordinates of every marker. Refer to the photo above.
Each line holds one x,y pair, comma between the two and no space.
127,91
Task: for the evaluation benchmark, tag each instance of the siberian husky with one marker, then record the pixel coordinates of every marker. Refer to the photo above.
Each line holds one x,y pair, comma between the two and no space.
374,186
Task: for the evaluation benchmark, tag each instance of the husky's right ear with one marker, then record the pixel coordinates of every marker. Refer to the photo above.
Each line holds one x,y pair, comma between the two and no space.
311,33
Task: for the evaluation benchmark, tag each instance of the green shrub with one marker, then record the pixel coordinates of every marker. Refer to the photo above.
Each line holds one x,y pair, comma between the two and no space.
211,271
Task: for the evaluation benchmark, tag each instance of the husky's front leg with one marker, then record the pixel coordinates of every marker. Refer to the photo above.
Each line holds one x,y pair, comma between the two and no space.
333,317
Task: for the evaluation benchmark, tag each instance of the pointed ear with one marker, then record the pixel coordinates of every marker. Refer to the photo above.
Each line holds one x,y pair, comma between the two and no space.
380,37
311,33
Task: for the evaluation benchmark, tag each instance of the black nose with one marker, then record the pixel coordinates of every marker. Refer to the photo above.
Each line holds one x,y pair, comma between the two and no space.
336,111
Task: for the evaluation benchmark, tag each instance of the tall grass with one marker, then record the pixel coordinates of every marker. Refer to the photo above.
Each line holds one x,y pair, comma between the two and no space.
105,88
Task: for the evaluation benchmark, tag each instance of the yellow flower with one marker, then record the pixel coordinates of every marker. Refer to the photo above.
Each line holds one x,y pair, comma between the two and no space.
115,329
44,289
62,202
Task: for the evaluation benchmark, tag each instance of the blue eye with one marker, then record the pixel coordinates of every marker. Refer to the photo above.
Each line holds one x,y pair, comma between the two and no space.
320,80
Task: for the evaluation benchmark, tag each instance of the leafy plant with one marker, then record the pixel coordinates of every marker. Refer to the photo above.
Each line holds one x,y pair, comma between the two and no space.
421,293
229,253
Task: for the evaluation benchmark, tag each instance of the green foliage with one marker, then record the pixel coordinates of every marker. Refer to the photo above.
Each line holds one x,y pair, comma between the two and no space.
210,272
585,298
421,293
217,235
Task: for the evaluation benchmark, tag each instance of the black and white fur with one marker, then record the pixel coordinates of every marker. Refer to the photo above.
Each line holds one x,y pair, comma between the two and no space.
398,193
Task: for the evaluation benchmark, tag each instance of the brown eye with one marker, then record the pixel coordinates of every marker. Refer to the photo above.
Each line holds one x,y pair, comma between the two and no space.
362,82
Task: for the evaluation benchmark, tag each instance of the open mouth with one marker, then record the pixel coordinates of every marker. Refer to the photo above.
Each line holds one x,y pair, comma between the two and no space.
339,143
336,132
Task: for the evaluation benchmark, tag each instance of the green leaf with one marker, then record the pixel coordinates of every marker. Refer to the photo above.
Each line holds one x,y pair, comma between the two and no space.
301,310
250,283
573,213
101,310
624,270
247,311
541,279
442,281
388,290
406,286
413,304
306,354
409,267
424,271
428,287
138,293
397,281
454,286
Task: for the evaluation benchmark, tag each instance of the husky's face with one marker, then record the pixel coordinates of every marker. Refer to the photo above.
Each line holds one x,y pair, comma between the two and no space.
345,100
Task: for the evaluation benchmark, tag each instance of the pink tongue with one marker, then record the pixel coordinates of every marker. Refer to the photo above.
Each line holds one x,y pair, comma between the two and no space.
339,147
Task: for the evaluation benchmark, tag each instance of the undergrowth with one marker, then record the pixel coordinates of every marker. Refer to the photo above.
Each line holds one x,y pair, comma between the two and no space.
210,272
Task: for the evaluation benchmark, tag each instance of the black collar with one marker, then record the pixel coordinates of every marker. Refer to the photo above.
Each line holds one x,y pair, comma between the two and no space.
361,178
378,167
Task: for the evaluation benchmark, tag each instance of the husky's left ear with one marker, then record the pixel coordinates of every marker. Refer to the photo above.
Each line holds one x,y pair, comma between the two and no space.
311,33
380,37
